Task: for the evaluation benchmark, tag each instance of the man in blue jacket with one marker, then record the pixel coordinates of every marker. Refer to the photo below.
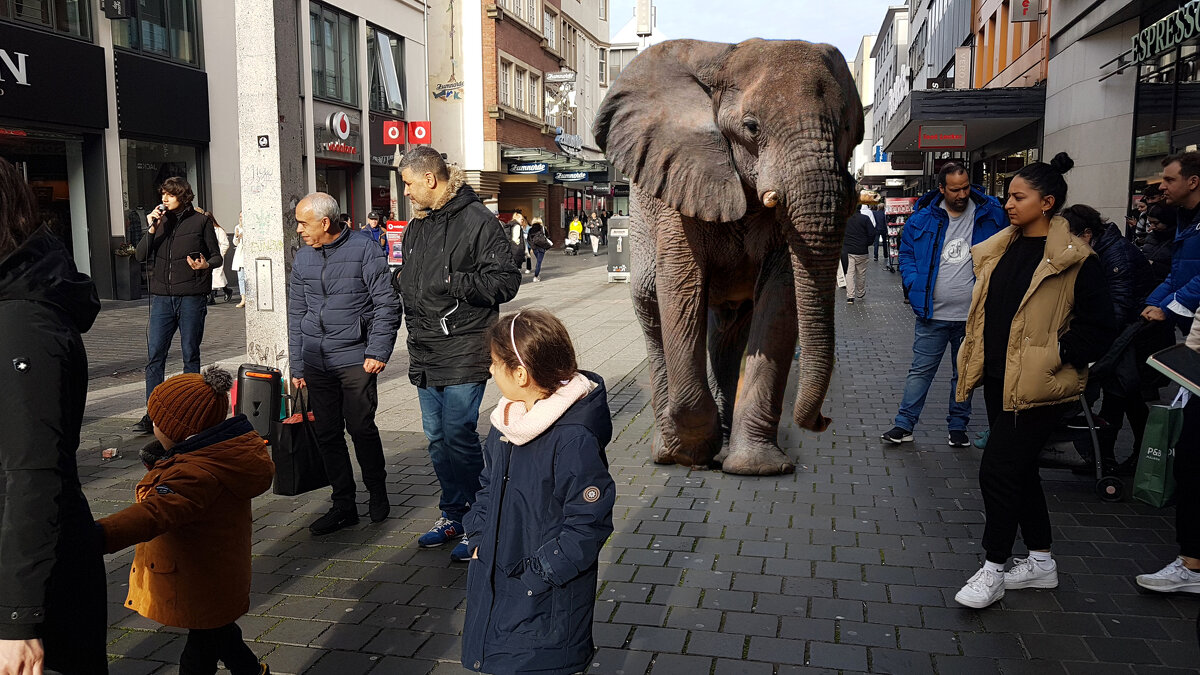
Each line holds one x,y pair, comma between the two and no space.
1177,298
938,277
342,320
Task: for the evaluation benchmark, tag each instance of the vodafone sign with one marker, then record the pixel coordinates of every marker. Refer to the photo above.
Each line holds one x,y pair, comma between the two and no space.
419,133
339,125
393,133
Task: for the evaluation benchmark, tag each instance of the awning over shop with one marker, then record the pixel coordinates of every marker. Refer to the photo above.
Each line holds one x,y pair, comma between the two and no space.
554,161
986,114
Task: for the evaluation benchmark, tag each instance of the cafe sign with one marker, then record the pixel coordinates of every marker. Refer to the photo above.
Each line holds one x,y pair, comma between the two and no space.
529,168
1168,33
942,137
571,176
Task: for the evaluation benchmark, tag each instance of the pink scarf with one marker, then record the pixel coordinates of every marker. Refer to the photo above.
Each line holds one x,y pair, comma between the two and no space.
521,426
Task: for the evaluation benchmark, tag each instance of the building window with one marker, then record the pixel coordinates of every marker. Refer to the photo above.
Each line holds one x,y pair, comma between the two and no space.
549,28
72,17
603,65
517,7
165,28
505,67
334,55
519,90
535,87
385,62
532,14
603,10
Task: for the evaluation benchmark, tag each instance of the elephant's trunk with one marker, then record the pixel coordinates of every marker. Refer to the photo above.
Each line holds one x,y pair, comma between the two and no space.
817,214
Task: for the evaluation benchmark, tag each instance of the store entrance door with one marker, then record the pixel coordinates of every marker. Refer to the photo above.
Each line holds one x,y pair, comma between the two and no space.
53,167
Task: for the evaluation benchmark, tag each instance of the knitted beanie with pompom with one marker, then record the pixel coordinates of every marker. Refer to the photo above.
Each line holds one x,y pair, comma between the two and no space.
187,404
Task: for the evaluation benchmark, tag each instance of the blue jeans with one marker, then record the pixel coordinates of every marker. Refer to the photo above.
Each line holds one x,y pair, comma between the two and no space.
168,313
449,416
930,338
538,254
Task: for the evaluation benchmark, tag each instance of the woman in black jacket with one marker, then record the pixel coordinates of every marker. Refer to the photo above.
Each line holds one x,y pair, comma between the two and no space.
52,588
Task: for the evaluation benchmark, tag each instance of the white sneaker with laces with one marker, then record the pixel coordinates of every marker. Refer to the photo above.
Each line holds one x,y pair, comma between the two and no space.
1029,573
1174,578
982,589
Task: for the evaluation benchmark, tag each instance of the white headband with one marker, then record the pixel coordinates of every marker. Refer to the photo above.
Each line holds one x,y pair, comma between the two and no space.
512,336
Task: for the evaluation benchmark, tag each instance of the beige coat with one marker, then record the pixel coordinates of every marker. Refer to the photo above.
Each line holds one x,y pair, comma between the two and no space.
1034,374
1193,338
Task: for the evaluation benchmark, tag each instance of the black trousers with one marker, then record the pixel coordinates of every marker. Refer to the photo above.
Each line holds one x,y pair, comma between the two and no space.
205,647
345,400
1009,478
1187,482
1113,409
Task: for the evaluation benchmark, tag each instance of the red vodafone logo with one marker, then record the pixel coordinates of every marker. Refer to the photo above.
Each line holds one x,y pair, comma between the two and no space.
393,133
419,133
339,125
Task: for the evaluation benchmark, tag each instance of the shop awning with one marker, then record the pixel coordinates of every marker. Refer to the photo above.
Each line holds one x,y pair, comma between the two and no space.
987,114
555,161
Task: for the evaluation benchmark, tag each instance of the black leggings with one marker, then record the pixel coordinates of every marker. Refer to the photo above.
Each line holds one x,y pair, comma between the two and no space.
1009,478
205,647
1187,481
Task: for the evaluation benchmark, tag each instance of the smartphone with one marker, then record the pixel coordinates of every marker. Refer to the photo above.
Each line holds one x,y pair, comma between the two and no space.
196,255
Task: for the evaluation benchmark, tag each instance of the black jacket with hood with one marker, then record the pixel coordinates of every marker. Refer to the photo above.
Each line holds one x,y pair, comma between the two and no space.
543,511
458,270
1129,276
51,581
177,235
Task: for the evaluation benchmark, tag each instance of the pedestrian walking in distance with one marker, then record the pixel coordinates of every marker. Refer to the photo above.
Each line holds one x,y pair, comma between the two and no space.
181,250
539,243
1040,313
342,320
936,270
458,270
52,585
860,232
544,508
192,521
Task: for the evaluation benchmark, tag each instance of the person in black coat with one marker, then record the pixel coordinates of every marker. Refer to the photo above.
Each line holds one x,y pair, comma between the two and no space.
52,585
458,271
181,251
860,232
1159,244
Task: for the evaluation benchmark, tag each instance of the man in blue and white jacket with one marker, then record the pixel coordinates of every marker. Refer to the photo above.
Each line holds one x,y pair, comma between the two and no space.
938,277
343,315
1178,297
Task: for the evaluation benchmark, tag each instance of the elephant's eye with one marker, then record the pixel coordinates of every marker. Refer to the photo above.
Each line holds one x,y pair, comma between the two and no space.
751,125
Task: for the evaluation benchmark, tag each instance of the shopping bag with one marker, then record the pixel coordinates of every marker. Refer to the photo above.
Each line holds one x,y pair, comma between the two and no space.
1154,482
297,454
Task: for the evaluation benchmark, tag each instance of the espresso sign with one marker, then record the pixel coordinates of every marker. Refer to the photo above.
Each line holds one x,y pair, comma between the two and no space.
1166,34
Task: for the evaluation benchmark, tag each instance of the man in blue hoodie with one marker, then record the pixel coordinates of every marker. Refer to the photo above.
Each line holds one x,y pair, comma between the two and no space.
1177,298
938,277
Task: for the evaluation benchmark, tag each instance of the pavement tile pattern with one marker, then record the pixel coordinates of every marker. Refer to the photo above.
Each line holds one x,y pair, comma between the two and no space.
849,565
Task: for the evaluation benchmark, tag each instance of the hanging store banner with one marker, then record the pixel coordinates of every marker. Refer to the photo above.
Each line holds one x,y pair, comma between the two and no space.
529,168
942,137
1025,10
571,176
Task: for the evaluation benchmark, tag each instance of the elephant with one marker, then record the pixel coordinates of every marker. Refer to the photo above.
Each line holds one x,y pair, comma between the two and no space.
737,156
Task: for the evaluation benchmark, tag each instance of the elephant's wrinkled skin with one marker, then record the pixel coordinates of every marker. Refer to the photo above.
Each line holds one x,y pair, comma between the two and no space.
738,156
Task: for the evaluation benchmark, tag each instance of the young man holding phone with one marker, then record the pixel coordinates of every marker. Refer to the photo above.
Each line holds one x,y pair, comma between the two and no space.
181,249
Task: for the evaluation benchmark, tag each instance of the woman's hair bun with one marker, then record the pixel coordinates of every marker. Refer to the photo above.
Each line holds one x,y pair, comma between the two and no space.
1062,162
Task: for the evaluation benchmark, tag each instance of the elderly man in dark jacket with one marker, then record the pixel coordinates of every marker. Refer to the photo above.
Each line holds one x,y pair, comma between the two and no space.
342,320
181,248
52,593
458,271
860,232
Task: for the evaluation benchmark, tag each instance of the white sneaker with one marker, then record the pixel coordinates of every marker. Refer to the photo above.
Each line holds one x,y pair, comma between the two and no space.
982,589
527,272
1029,573
1174,578
536,279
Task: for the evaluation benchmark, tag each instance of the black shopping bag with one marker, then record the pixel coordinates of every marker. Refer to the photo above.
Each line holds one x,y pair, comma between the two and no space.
1154,482
297,454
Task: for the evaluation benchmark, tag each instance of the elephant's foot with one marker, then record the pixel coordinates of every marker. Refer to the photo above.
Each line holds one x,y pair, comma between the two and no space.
716,461
756,459
659,451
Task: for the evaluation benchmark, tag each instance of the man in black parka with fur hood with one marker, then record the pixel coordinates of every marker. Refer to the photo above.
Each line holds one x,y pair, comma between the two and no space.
458,270
52,587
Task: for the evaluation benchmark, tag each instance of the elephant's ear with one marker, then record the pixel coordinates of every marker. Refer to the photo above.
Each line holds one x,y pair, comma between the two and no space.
658,126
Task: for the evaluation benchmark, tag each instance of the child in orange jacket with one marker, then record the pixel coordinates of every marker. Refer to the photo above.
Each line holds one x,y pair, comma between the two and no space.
192,520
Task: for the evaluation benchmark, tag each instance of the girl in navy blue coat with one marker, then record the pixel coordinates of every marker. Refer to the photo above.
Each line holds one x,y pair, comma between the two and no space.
544,508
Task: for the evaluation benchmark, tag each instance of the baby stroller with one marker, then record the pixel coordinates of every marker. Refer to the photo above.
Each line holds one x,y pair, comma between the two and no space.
571,245
1081,433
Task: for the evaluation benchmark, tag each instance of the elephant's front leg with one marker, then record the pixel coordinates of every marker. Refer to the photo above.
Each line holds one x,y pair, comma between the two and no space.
694,433
753,443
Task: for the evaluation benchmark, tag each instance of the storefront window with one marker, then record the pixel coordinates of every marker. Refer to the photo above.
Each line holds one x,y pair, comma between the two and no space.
165,28
334,55
72,17
385,61
144,167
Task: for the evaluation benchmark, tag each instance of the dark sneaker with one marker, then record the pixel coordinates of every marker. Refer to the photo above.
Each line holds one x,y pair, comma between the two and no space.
959,438
461,552
442,531
849,301
333,521
897,435
144,425
378,508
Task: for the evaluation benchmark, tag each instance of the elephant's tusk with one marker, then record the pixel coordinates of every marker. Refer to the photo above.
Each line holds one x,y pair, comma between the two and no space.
770,199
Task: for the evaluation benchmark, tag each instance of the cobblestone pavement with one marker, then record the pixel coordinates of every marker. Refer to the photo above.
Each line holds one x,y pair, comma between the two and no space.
848,565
